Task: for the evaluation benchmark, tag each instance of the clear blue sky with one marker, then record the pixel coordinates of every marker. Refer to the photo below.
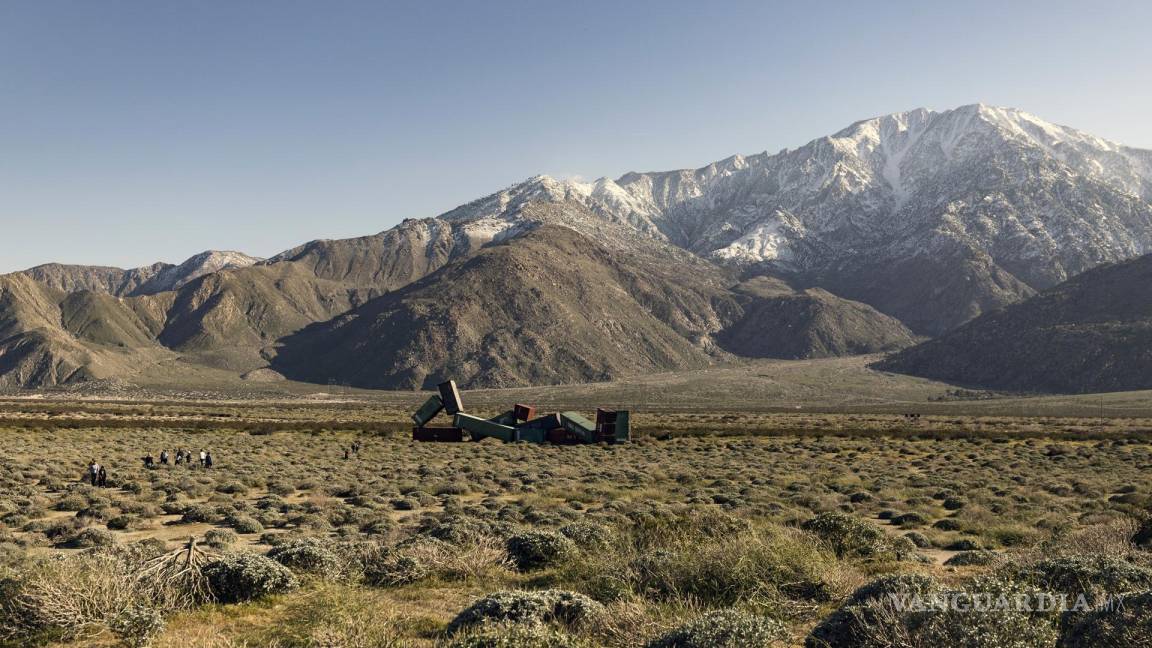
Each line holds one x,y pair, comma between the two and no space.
132,132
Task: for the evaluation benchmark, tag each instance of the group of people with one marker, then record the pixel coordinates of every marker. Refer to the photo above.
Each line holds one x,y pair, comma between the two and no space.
352,449
182,457
97,474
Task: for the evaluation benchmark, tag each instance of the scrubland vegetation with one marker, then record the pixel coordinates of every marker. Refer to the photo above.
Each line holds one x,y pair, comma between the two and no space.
709,530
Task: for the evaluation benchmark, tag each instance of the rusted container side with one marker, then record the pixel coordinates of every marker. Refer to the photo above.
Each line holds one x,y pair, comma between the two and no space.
547,422
523,412
604,416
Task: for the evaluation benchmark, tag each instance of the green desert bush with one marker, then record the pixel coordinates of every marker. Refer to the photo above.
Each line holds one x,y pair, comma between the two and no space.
539,549
220,538
1121,623
848,627
309,555
1095,577
245,576
911,610
245,524
138,625
972,558
514,635
560,607
725,571
92,537
848,536
724,629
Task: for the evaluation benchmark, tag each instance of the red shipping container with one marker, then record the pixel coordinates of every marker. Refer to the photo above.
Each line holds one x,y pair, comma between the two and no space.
523,412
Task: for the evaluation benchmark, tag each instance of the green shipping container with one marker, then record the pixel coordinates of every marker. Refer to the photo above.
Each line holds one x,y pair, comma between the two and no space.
450,396
531,435
428,411
507,418
577,424
623,427
482,428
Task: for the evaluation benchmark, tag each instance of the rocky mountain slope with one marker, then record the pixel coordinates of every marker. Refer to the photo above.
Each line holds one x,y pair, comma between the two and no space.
894,228
147,280
931,217
549,307
1092,333
778,322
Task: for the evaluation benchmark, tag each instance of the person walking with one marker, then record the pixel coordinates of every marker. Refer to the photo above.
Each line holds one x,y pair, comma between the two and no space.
179,456
207,459
102,478
164,457
203,457
93,472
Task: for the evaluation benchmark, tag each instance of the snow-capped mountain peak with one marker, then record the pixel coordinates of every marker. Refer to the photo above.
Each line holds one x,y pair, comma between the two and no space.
1022,202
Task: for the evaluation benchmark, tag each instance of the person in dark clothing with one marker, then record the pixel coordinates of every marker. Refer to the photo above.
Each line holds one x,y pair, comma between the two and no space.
346,454
102,478
164,457
149,462
208,460
179,456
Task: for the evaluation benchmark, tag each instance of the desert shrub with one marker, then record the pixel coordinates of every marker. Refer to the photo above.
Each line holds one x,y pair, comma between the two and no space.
246,576
539,549
423,558
910,610
909,520
73,502
1126,621
848,626
1095,577
545,606
220,538
947,524
955,503
587,535
245,524
71,595
513,635
120,522
919,539
11,554
201,513
332,617
725,571
964,544
972,558
724,629
1143,536
309,555
92,537
394,570
138,625
848,536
